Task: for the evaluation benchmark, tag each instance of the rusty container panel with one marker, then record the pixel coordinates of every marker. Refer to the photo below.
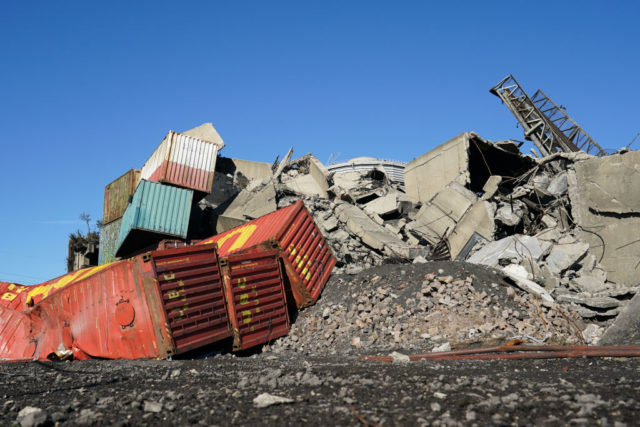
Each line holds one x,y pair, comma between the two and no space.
117,195
109,234
255,297
15,326
192,293
307,258
156,211
110,311
184,161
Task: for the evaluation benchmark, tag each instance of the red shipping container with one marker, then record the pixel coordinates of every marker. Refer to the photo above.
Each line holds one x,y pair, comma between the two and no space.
150,306
307,258
255,297
183,161
192,292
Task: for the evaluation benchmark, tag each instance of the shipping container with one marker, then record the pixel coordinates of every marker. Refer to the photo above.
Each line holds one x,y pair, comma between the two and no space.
109,235
151,306
255,298
157,211
307,258
118,194
193,297
183,161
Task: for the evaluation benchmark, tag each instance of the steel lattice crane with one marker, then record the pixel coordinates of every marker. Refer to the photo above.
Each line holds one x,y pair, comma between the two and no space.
548,126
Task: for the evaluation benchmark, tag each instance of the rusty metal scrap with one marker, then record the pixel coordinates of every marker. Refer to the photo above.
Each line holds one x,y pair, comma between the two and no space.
521,352
548,126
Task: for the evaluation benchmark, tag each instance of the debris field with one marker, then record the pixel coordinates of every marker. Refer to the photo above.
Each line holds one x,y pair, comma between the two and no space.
297,265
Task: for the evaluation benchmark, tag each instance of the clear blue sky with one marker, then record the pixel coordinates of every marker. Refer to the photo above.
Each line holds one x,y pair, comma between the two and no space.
89,90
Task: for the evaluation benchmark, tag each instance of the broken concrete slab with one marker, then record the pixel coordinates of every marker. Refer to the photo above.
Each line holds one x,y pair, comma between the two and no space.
384,205
477,221
588,283
454,200
431,223
206,132
306,185
558,185
283,164
588,313
605,202
510,214
589,301
565,256
491,187
466,159
437,218
518,274
625,330
371,233
248,205
517,248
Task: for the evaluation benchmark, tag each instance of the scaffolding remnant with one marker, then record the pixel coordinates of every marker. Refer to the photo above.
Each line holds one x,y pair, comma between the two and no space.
548,126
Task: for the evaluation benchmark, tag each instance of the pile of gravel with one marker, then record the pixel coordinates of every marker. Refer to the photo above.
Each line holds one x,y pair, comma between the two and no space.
424,307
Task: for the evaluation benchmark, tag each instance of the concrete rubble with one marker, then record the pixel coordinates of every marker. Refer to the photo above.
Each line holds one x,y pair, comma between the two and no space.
563,227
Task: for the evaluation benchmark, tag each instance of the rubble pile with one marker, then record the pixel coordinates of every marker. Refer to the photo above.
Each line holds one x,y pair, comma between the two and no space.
469,200
427,307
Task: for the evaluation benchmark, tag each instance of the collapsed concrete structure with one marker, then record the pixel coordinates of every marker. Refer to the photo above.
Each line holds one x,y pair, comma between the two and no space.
562,227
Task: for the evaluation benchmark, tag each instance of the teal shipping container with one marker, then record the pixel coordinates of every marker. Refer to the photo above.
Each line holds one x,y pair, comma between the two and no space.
109,235
157,211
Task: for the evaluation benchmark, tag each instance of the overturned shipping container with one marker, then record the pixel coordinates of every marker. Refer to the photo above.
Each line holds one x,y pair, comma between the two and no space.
183,161
117,195
151,306
109,235
307,258
156,211
255,297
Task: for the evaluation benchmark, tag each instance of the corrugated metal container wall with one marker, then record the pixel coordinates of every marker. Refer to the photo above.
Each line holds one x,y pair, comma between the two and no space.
156,208
109,235
109,311
192,295
183,161
151,306
255,297
117,194
307,258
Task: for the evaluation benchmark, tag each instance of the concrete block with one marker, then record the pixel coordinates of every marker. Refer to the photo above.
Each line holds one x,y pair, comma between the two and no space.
206,132
307,185
383,205
518,274
625,330
605,198
558,185
491,187
517,247
563,257
478,219
454,200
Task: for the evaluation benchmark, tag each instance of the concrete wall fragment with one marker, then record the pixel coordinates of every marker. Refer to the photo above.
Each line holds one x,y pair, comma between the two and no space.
605,202
424,176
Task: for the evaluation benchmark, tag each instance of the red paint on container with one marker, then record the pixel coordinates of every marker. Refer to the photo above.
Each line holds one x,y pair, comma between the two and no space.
119,310
255,297
192,295
117,195
183,161
308,259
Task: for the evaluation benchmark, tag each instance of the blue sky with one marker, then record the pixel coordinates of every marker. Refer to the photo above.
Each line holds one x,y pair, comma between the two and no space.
89,90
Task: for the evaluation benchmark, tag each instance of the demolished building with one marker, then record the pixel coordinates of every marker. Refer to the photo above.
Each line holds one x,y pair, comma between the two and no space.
560,225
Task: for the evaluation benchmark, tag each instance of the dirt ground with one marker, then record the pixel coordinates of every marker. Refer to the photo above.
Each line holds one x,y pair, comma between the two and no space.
324,391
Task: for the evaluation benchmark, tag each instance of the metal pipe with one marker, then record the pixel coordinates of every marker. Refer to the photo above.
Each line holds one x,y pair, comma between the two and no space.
522,352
